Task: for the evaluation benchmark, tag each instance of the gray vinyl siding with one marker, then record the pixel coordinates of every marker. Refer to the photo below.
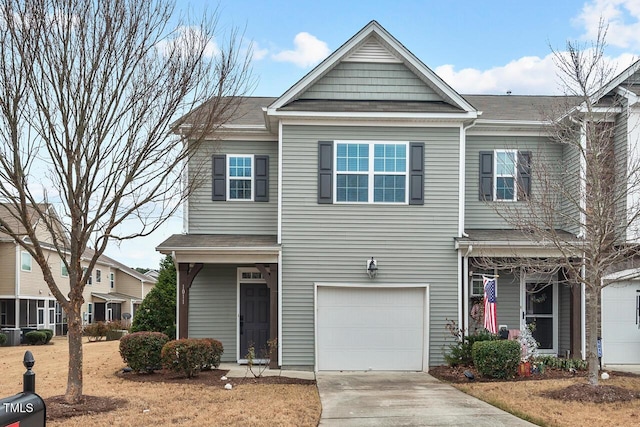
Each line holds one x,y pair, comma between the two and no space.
213,307
571,159
620,147
508,300
564,319
483,215
330,243
371,81
233,217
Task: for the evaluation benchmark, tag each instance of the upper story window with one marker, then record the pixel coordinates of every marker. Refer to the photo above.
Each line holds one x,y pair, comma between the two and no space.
89,279
371,172
64,272
505,175
25,261
98,276
112,280
240,177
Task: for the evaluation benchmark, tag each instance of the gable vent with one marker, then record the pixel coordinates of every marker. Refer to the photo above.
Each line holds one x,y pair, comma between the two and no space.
372,51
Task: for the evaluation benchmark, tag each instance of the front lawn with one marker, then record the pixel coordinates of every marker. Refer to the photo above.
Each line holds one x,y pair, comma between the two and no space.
157,403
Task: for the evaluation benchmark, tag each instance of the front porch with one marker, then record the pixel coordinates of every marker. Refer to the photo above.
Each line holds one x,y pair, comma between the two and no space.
525,295
228,289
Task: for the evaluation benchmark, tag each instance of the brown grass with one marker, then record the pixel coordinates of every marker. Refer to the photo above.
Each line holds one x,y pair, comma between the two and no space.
157,404
525,400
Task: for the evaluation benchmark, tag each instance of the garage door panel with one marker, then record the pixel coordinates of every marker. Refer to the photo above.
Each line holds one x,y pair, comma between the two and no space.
370,328
620,333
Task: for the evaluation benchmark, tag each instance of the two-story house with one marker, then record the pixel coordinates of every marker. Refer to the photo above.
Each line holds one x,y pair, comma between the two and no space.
342,218
26,301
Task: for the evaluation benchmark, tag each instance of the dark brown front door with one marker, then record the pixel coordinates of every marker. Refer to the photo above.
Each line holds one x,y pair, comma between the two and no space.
254,319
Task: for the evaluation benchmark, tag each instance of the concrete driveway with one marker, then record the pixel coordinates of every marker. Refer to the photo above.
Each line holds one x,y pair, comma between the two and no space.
402,399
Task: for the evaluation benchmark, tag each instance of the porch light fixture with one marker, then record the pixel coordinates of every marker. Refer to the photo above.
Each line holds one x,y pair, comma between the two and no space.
372,268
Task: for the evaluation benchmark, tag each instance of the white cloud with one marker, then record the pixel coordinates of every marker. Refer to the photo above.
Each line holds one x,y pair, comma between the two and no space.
622,16
189,39
529,75
256,53
308,51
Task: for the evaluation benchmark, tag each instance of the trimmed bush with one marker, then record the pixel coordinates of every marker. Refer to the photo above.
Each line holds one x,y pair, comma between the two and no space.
49,333
186,356
95,331
35,338
3,338
213,358
141,351
460,352
497,359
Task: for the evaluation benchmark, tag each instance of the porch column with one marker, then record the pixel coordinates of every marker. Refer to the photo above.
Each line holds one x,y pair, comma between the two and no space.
187,273
270,274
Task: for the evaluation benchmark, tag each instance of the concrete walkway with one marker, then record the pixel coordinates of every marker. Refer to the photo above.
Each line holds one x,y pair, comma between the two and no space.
241,371
402,399
632,369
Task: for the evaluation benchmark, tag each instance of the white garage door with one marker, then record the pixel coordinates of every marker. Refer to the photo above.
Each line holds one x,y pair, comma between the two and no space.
370,328
621,323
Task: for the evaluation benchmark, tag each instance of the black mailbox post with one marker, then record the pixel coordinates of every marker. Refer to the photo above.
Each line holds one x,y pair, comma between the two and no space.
25,409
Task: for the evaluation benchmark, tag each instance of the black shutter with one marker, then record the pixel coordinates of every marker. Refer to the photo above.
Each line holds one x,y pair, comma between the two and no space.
325,172
486,175
524,175
219,187
262,179
416,173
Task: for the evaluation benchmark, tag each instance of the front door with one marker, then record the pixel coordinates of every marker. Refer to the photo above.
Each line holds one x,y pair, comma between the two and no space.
541,307
254,319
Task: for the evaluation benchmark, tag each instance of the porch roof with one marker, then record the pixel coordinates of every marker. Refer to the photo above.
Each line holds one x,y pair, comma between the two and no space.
221,248
114,297
512,243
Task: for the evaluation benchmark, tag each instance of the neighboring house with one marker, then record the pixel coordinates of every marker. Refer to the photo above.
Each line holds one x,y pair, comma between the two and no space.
343,217
27,302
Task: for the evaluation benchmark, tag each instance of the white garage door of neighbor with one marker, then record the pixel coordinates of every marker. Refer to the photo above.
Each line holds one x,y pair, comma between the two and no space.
370,328
621,323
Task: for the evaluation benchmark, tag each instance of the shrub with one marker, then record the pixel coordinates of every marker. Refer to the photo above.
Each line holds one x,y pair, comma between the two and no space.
35,338
460,352
497,359
554,362
186,356
49,333
141,350
158,309
117,325
95,331
3,338
213,358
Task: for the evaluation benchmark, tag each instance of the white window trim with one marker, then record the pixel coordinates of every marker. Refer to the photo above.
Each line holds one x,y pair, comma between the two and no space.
514,176
476,277
98,275
252,179
370,173
22,254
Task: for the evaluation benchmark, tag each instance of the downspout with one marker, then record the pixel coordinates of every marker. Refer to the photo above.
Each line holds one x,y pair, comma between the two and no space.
17,286
462,281
175,262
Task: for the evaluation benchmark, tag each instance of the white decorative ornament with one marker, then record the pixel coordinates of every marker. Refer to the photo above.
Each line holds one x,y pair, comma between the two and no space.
604,376
228,386
223,378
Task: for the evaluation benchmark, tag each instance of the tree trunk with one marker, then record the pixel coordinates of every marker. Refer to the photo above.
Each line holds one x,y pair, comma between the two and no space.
74,379
591,301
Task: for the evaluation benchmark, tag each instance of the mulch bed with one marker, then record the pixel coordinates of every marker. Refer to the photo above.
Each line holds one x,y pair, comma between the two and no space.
58,408
582,392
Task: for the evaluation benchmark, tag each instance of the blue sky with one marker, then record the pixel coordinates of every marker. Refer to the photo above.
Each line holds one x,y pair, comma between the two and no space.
475,46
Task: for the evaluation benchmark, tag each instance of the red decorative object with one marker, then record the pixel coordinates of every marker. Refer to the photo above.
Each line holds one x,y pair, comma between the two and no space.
524,369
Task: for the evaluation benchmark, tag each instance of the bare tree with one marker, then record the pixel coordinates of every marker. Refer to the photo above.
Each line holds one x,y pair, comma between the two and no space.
582,208
92,95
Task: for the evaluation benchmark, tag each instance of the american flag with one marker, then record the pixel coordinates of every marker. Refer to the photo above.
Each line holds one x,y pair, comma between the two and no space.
490,316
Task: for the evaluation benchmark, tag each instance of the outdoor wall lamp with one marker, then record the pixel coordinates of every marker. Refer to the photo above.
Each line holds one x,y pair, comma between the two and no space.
372,268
